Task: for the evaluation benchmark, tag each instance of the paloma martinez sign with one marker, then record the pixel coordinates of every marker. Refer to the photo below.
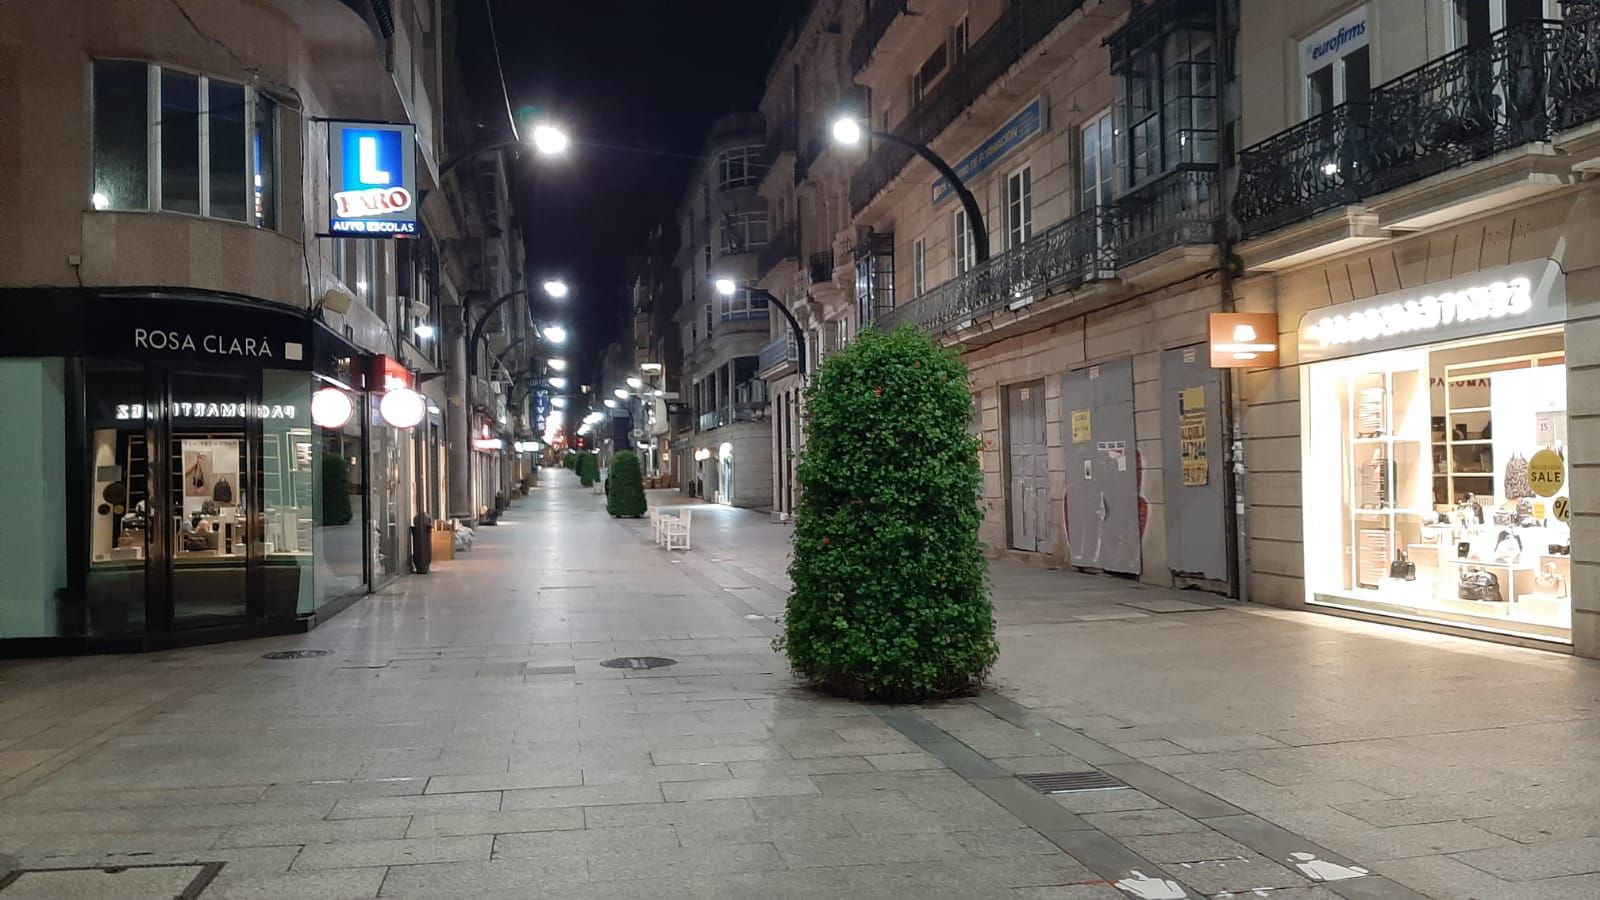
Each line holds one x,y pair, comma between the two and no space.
372,180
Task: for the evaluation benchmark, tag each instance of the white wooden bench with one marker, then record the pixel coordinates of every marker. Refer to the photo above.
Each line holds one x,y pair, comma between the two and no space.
676,530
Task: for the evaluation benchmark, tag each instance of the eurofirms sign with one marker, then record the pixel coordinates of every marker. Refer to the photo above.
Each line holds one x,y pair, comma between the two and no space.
1023,126
1342,36
372,180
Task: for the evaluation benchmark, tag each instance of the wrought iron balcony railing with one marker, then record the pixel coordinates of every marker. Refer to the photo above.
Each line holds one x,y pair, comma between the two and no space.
1178,208
1522,84
1072,252
783,245
713,419
1019,28
820,267
879,17
778,354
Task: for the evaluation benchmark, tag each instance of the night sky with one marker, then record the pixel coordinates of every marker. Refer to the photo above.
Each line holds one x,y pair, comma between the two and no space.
637,74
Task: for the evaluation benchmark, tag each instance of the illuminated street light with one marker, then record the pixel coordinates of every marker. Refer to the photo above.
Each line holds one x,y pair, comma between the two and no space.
558,383
549,139
622,393
423,330
726,286
847,131
635,382
610,403
555,334
558,365
556,288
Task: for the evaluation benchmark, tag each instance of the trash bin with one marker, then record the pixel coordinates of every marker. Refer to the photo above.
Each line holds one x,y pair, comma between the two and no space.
421,543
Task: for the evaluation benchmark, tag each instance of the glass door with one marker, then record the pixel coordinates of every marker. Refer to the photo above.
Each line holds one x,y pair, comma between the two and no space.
210,510
123,497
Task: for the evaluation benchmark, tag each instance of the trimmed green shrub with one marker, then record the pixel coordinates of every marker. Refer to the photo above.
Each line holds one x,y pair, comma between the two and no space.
588,468
890,597
336,508
625,487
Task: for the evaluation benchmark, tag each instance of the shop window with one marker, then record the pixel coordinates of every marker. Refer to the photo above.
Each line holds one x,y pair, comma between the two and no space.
33,403
1452,502
215,144
736,168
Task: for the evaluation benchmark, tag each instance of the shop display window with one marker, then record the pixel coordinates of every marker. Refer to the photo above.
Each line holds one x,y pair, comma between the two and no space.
1435,484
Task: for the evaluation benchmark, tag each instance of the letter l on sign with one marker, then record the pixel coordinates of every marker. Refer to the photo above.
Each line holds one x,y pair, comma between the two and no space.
370,173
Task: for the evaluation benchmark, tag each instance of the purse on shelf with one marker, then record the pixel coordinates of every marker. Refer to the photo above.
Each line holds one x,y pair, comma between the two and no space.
223,492
1403,568
1479,585
1551,581
1517,485
1507,547
1560,549
210,508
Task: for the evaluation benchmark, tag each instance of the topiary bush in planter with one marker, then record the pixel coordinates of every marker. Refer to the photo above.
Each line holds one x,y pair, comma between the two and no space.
625,487
588,468
890,598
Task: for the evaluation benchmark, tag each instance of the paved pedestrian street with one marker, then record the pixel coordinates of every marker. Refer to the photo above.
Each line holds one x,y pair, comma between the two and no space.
460,736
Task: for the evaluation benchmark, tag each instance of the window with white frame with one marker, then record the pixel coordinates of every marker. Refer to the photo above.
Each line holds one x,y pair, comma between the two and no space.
739,167
1336,64
965,253
1019,207
958,40
742,232
169,140
919,268
743,305
1471,21
929,73
1167,98
841,332
1096,162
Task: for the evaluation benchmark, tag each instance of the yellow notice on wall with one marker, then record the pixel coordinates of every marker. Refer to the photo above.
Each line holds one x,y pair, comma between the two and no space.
1082,431
1192,436
1547,473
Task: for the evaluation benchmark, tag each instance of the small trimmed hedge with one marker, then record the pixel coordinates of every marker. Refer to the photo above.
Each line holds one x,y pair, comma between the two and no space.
625,487
890,597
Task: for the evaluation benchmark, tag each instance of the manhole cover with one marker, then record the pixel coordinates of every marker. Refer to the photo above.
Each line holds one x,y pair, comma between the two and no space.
639,662
295,654
1071,782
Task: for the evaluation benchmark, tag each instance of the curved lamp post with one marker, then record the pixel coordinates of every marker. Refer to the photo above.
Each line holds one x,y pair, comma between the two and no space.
848,131
727,286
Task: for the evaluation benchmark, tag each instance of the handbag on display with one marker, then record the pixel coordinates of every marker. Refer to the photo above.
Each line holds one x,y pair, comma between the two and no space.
1507,547
1560,549
1463,549
1517,485
1403,568
1477,584
223,492
1551,581
210,508
1369,412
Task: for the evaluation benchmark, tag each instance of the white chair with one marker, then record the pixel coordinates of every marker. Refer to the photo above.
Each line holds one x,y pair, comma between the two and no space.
655,524
677,531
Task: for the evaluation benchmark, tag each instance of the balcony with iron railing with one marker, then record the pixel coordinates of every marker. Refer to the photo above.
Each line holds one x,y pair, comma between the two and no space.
1523,84
1018,29
879,16
820,267
716,418
1070,253
785,244
779,357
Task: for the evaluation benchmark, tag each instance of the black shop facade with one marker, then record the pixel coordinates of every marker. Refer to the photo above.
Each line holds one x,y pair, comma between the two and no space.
168,484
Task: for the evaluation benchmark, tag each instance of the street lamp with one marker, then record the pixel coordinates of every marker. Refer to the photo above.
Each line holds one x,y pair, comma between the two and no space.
727,287
556,288
558,383
848,131
635,382
610,403
550,139
555,334
557,365
621,393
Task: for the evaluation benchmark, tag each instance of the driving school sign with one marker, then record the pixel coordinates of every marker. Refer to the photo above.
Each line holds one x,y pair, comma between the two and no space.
372,180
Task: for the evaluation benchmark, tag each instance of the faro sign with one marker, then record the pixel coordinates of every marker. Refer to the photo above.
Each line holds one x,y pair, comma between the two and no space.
372,179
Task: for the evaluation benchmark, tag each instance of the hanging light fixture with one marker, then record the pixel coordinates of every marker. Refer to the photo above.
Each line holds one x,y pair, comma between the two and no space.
330,408
402,407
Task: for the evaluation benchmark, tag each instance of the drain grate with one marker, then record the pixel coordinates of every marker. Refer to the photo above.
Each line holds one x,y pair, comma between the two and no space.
1071,782
639,662
296,654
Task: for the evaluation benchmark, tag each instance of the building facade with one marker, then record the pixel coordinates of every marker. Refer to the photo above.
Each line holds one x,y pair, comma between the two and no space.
1088,135
1414,206
724,226
196,372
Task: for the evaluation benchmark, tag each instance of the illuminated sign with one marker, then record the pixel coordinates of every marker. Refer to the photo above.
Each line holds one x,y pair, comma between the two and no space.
1244,340
1516,296
135,412
372,188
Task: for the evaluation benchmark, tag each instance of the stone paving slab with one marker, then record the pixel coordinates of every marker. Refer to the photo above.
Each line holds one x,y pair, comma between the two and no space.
486,753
